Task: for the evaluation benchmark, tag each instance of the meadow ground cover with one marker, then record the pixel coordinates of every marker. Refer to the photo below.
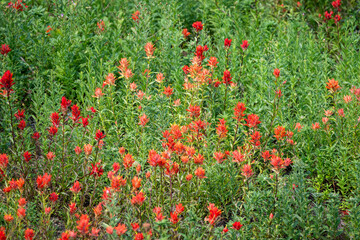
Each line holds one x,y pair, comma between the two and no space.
179,119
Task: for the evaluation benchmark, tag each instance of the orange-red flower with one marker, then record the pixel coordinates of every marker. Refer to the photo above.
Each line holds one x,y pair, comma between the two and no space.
83,224
174,218
168,91
138,199
101,25
276,72
120,229
8,218
227,43
136,182
332,85
149,49
214,213
185,33
5,49
221,129
143,120
252,121
236,225
280,133
212,62
76,187
7,81
247,171
135,16
98,93
198,26
194,111
199,159
43,181
244,45
200,173
29,234
99,135
227,77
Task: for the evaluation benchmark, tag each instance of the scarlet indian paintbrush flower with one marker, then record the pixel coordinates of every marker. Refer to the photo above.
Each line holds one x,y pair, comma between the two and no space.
200,173
252,121
185,33
194,111
198,26
97,170
83,224
332,85
138,199
99,135
120,229
5,49
143,120
221,129
236,225
65,104
149,49
227,43
276,73
227,77
135,16
27,156
212,62
247,171
244,45
214,213
43,181
7,81
101,25
168,91
29,234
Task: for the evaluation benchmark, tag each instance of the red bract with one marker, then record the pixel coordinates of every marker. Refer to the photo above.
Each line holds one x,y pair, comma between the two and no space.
179,208
97,170
255,138
143,120
236,225
75,113
227,43
328,15
277,163
212,62
36,135
101,25
7,81
65,104
174,218
198,26
29,234
55,119
200,51
194,111
53,197
252,121
18,5
185,33
128,161
99,135
200,173
52,130
239,111
280,133
149,49
227,77
168,91
5,49
20,114
27,156
43,181
139,236
247,171
186,69
4,160
336,4
214,213
72,207
22,124
135,16
138,199
244,45
276,73
332,85
221,129
83,224
120,229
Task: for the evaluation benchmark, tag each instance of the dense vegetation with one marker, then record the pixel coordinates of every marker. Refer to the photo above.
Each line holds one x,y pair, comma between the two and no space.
179,119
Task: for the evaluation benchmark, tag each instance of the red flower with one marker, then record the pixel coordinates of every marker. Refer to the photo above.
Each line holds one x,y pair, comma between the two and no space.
22,202
143,120
255,138
22,124
200,51
139,236
186,69
20,114
332,85
99,135
174,218
27,156
185,33
227,43
199,159
85,121
239,111
179,208
277,162
55,119
5,49
138,199
252,121
212,62
236,225
227,77
83,224
244,45
4,160
198,26
21,212
53,197
194,111
7,81
149,49
128,161
101,25
221,129
214,213
135,16
328,15
75,113
276,72
29,234
135,226
72,207
280,133
120,229
168,91
200,173
97,170
337,18
247,171
43,181
65,103
36,135
336,4
52,130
